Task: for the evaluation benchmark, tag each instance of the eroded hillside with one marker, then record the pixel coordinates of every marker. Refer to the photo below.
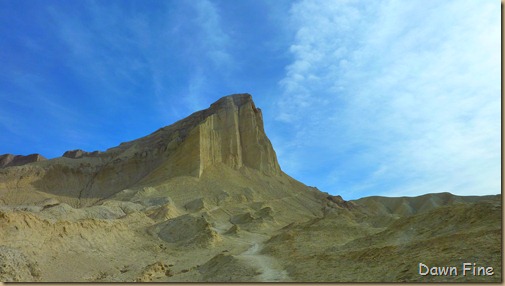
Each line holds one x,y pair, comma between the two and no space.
204,199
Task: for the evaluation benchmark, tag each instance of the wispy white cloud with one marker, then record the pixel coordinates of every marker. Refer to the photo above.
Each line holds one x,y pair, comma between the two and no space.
215,41
211,58
407,92
176,49
103,47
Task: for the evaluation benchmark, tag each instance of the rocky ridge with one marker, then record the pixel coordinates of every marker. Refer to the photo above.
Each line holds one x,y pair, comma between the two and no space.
9,160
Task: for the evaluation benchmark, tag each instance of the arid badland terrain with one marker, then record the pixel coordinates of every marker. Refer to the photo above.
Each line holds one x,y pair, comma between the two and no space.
204,199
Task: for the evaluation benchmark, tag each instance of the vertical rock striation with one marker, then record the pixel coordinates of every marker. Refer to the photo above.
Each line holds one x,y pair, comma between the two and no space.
233,134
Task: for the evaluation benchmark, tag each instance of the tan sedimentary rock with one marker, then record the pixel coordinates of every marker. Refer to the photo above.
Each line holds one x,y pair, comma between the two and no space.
15,266
234,135
154,271
229,132
186,230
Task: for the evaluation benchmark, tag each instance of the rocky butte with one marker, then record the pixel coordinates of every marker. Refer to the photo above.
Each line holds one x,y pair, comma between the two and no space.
205,200
229,133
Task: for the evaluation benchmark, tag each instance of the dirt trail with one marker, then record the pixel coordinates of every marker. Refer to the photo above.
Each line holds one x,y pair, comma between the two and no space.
271,271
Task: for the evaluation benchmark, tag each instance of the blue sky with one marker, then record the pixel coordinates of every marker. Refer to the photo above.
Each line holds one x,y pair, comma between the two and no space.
395,98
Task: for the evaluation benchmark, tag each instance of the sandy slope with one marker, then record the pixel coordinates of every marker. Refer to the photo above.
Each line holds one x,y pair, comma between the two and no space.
269,267
447,235
155,240
170,232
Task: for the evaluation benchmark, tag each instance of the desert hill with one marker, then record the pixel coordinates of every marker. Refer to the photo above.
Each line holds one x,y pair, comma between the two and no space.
352,247
204,199
404,206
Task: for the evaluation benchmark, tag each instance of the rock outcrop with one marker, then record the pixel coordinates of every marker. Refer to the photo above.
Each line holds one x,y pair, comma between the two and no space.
15,266
233,134
9,160
340,202
78,153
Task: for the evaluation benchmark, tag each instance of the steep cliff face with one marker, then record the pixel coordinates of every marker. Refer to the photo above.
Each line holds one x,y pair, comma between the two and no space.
233,134
229,133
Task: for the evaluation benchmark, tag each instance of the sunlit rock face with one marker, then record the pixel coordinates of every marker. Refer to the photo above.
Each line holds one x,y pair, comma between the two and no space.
230,133
233,134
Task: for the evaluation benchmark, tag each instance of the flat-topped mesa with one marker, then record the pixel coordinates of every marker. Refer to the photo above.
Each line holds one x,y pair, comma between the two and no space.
233,134
9,160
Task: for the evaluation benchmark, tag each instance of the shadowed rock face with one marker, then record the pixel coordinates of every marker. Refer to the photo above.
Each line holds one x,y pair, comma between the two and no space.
75,154
9,160
337,200
230,132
